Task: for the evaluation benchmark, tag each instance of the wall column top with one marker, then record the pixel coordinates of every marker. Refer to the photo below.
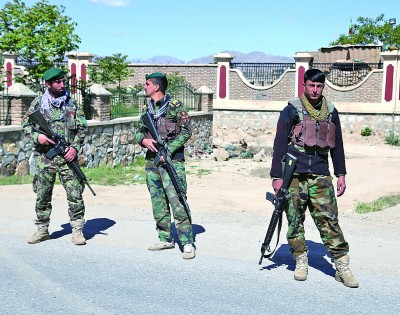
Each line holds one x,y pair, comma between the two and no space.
80,55
303,57
223,57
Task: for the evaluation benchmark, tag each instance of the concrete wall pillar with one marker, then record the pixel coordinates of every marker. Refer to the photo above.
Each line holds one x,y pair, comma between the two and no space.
391,79
10,61
21,98
77,65
303,61
101,102
223,60
206,98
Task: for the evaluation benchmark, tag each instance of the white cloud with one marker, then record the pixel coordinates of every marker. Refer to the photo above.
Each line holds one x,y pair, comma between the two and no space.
113,3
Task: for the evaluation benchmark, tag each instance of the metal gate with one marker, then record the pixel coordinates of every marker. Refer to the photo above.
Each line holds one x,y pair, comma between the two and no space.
5,118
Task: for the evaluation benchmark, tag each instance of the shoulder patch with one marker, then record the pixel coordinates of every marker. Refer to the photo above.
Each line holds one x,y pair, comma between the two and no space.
175,103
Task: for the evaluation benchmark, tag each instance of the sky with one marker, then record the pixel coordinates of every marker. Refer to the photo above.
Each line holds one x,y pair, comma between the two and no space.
188,29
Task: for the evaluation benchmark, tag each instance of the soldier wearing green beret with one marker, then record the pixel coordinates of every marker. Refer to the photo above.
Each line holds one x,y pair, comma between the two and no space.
66,119
172,123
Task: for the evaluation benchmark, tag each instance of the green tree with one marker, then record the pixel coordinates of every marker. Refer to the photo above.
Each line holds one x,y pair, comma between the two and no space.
175,83
371,31
110,70
40,35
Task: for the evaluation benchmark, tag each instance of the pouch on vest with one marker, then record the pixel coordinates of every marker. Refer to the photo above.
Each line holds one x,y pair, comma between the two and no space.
326,134
168,129
297,135
310,133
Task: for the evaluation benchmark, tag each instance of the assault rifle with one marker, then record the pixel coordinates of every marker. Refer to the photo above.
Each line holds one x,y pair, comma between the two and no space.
279,201
59,147
163,152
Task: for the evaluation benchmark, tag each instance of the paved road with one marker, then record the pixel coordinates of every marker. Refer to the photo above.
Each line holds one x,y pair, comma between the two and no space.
56,277
116,274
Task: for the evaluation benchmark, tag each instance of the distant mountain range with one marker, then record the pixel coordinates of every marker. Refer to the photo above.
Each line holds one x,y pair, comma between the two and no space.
253,57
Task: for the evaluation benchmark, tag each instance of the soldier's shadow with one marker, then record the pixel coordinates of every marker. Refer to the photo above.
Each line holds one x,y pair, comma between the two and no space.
91,229
318,258
196,229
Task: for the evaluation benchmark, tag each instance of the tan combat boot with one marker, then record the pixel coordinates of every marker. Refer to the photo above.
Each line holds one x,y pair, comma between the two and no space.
77,235
343,273
42,234
301,271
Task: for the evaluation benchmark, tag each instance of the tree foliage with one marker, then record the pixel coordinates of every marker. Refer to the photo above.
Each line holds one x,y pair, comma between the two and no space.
176,82
110,70
371,31
40,35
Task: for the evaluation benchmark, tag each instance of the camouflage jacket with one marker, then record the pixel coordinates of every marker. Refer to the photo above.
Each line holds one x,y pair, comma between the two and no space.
69,122
173,127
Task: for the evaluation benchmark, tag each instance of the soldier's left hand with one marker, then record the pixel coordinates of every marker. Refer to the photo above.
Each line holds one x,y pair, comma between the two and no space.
341,185
70,154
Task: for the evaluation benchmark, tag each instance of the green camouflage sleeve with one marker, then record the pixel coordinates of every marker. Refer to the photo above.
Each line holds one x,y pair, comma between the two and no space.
26,125
183,120
81,129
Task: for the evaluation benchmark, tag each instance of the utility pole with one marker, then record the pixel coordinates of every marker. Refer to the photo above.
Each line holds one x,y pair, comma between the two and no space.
392,22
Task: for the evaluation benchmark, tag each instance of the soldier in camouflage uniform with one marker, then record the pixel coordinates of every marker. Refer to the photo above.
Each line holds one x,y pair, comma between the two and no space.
172,122
309,129
64,117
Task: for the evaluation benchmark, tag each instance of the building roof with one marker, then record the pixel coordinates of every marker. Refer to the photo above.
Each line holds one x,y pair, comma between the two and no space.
348,53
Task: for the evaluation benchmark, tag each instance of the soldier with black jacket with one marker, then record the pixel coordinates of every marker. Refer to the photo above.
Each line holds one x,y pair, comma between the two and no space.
309,129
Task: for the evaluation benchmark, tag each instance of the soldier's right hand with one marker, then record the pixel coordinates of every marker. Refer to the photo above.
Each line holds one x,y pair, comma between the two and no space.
149,144
277,184
43,139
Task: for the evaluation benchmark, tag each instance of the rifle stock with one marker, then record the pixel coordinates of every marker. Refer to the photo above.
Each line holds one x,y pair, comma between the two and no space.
60,146
279,201
165,154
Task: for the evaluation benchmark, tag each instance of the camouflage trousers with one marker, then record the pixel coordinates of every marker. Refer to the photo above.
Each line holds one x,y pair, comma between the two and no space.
316,192
164,199
43,184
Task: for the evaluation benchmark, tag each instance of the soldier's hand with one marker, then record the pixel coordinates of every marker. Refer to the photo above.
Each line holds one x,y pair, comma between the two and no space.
277,184
70,154
43,139
149,144
341,186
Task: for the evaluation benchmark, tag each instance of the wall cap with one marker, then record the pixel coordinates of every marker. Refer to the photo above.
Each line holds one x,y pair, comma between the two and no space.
204,90
19,89
98,89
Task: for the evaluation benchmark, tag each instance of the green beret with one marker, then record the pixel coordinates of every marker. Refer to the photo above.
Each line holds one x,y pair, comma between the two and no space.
53,74
155,75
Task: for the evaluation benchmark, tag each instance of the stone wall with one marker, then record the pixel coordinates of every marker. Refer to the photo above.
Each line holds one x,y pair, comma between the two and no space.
255,130
106,143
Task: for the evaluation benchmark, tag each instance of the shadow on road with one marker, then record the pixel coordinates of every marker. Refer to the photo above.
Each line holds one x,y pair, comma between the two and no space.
91,229
317,254
196,229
